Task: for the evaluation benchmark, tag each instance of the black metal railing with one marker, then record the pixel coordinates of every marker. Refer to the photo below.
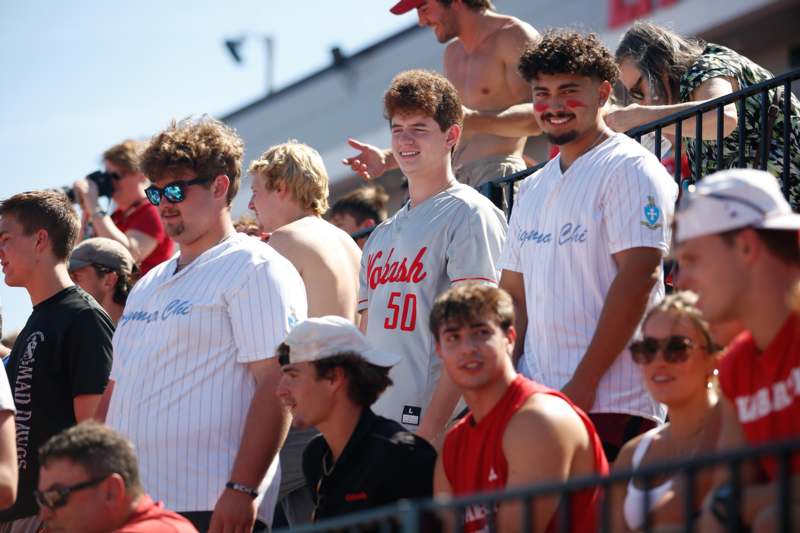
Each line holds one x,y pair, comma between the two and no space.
422,515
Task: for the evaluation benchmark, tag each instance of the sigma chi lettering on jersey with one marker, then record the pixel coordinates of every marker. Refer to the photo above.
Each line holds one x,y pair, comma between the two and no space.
181,355
562,237
409,260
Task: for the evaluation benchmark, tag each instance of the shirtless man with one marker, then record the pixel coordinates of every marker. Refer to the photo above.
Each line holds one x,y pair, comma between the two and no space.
481,61
290,194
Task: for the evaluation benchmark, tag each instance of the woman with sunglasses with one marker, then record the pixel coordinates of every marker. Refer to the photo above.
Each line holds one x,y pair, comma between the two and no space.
677,358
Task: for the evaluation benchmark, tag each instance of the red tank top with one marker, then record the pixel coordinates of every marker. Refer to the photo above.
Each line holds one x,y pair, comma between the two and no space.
473,458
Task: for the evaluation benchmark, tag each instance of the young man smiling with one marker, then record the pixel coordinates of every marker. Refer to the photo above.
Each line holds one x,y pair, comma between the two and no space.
445,234
513,423
587,238
480,59
195,370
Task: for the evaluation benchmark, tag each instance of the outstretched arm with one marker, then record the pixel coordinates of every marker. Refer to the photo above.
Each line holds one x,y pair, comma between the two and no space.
370,162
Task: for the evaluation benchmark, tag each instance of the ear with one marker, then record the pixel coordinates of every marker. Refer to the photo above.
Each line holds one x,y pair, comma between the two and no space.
42,243
115,490
748,245
511,337
437,346
605,90
110,279
221,185
453,135
337,378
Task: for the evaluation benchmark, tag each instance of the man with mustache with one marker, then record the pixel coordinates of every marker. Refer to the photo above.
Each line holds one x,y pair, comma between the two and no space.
586,241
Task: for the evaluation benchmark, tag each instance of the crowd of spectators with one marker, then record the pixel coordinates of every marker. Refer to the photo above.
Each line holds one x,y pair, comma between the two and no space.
446,353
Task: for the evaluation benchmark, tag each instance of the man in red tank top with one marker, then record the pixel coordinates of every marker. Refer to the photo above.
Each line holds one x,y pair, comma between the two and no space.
737,244
518,432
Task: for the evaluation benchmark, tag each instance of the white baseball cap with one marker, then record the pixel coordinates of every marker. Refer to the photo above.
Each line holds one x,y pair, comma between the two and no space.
733,199
321,337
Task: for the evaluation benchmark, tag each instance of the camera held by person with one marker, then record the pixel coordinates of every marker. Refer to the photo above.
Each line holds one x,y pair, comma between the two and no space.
103,180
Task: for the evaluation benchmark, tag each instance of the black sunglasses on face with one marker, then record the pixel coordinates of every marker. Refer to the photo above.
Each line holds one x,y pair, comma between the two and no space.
54,498
175,192
675,349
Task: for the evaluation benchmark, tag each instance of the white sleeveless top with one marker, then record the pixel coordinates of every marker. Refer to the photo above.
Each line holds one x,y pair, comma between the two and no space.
633,507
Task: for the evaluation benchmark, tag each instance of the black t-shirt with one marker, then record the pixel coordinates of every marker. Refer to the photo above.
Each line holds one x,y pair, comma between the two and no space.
63,351
381,464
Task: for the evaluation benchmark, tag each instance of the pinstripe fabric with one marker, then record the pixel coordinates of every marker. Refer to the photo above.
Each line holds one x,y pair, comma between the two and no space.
407,262
562,234
180,352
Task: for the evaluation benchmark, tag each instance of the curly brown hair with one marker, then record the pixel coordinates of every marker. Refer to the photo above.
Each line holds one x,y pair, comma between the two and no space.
204,146
426,92
568,52
125,155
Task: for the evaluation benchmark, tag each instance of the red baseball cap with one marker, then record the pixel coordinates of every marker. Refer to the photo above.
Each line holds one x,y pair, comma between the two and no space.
404,6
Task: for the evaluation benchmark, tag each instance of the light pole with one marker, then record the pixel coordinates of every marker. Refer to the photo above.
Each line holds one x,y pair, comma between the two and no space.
234,48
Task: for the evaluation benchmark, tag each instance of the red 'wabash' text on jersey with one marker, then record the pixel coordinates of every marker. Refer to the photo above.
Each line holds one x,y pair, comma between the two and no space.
411,258
481,447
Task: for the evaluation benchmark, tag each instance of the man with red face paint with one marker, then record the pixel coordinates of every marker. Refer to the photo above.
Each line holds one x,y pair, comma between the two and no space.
480,60
586,242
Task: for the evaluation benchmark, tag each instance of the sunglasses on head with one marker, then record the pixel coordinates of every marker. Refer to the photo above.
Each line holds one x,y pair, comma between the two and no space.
675,349
175,192
54,498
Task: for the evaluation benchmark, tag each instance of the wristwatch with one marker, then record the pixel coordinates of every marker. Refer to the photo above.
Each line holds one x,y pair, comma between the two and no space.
722,507
99,212
238,487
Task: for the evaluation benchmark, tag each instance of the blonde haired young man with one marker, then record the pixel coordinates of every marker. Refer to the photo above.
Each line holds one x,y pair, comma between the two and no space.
290,195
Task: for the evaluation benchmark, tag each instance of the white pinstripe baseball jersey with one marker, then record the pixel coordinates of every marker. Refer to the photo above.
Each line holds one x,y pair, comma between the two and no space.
562,234
407,262
181,350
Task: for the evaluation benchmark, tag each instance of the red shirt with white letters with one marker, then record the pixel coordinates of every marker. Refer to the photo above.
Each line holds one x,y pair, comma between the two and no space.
764,388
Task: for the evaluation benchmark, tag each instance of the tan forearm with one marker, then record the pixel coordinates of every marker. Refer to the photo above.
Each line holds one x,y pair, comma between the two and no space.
688,126
515,121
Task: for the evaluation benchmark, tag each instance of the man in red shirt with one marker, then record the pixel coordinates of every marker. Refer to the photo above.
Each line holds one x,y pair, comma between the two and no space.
89,483
513,422
737,244
135,222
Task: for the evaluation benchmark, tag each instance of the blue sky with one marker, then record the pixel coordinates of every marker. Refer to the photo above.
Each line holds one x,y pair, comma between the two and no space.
79,76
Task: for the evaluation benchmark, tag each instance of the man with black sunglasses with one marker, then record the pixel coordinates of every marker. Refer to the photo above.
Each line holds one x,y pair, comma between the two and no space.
134,223
737,244
195,383
89,483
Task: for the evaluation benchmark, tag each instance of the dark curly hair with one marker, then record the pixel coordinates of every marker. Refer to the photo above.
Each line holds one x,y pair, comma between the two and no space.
568,52
205,146
426,92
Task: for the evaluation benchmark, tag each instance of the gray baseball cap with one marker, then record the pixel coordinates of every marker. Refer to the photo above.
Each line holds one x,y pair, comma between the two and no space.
102,252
